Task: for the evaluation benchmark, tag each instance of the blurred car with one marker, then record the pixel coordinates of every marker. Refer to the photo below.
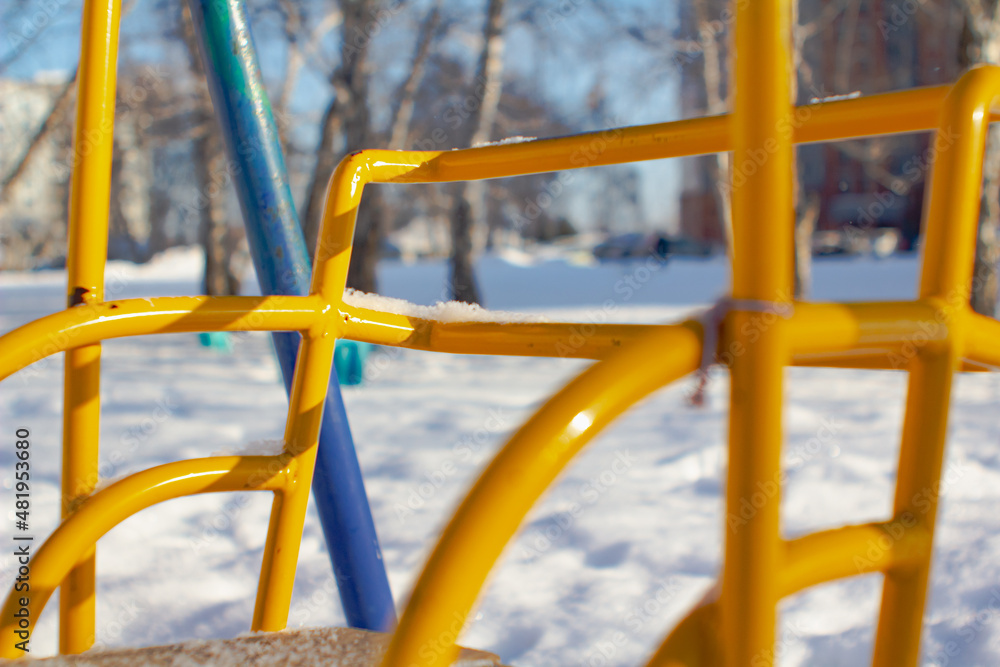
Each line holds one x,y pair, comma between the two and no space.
880,242
640,244
623,246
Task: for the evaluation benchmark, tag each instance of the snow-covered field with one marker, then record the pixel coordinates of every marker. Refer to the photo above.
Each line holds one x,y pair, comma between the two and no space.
596,586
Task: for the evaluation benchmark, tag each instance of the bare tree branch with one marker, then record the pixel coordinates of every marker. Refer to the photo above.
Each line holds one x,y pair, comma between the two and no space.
57,116
468,197
407,94
300,54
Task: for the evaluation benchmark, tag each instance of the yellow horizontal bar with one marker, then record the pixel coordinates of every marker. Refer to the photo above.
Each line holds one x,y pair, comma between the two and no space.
982,340
87,324
809,560
888,113
887,359
899,112
858,335
78,533
835,327
851,551
861,335
529,339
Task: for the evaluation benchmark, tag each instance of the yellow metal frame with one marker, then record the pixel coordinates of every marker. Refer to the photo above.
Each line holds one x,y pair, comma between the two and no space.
931,337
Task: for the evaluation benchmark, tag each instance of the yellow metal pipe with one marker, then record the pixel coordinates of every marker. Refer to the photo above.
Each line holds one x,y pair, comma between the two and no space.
761,190
90,199
583,340
858,335
86,325
696,641
982,342
950,224
875,360
515,479
817,333
953,206
820,328
93,143
288,511
906,111
888,113
900,544
813,559
74,539
898,112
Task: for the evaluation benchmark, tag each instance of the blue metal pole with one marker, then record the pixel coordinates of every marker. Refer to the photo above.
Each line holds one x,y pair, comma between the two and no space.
283,267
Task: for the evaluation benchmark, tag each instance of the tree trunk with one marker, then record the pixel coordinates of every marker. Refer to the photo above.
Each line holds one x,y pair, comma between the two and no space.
980,43
368,235
467,202
985,281
213,227
463,278
348,116
807,206
804,227
716,103
58,116
408,92
210,165
326,162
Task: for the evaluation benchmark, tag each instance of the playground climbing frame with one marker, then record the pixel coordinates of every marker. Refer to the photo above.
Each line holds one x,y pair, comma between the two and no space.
932,337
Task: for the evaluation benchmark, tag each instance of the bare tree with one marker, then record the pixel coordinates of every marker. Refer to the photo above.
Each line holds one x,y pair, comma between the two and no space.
302,46
980,43
715,70
346,125
467,198
58,116
215,234
403,115
703,43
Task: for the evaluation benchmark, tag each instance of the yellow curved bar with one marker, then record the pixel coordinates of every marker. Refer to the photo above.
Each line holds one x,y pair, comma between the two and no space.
85,325
852,550
98,514
695,641
517,477
809,560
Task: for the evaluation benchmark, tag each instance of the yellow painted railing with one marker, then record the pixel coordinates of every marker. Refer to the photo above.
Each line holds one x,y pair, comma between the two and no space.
930,337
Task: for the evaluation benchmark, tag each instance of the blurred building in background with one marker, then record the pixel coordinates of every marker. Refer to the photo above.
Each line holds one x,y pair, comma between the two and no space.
845,48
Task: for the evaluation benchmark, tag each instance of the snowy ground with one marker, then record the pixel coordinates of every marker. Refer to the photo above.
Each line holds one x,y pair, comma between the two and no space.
598,586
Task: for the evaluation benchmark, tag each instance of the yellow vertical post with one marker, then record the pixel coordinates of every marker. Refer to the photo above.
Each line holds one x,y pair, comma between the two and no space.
288,511
762,272
90,193
305,405
950,225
